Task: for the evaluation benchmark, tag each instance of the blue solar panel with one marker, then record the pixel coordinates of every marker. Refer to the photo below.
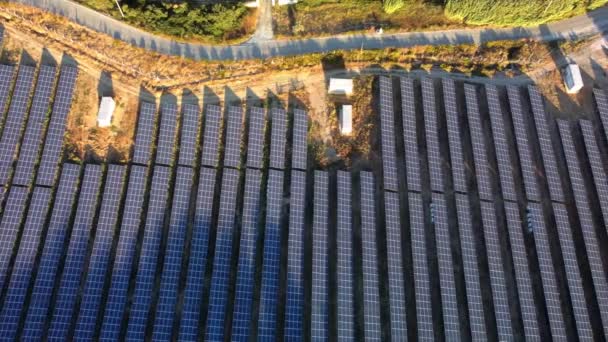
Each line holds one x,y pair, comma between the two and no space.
56,130
246,265
410,134
396,281
32,139
198,256
319,304
40,300
178,225
211,136
191,120
482,172
77,249
23,268
148,258
234,124
453,117
167,135
295,277
278,138
6,78
218,296
9,226
142,147
387,123
431,126
601,99
300,140
346,310
14,120
100,254
267,324
125,250
255,144
597,169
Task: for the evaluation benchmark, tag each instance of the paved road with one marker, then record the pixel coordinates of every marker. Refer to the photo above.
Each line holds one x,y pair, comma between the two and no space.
592,22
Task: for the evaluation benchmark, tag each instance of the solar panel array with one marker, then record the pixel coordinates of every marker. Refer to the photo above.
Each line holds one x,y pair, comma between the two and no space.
601,99
597,169
142,150
191,120
299,144
346,309
32,138
232,151
319,303
211,136
482,172
167,134
431,126
255,144
410,135
9,226
278,138
387,127
56,130
452,116
6,78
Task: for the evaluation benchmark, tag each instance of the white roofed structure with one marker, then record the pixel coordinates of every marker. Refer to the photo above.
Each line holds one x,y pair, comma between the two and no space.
106,110
345,118
340,86
573,80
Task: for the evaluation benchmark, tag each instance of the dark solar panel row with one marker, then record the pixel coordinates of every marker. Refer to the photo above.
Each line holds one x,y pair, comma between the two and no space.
387,126
211,136
484,184
178,225
9,226
32,138
319,303
100,253
371,284
255,144
396,282
452,115
191,120
295,276
77,249
188,328
147,264
272,253
52,251
344,231
597,168
278,138
601,99
501,144
523,144
471,271
548,275
6,80
542,129
300,140
56,130
142,150
422,286
410,135
431,126
167,135
218,295
234,124
243,303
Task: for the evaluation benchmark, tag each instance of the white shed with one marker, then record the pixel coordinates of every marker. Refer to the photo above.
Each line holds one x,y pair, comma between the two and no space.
340,86
572,78
345,119
106,110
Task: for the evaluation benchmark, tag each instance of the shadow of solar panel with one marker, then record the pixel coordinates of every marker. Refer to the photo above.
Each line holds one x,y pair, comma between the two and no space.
319,303
167,134
387,135
346,310
257,121
300,140
431,126
597,168
142,150
410,135
278,138
232,150
211,137
191,119
452,117
6,79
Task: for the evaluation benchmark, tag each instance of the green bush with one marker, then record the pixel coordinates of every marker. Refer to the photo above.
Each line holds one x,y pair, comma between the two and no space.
391,6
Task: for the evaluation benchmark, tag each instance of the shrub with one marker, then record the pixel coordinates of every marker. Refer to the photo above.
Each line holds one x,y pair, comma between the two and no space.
391,6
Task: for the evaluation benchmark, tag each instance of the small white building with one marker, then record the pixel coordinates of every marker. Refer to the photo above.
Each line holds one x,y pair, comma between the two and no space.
106,110
573,80
345,119
340,86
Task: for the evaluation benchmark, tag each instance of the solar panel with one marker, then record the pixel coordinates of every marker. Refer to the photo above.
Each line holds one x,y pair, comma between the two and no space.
548,275
100,253
211,136
191,119
6,78
346,310
522,270
395,265
501,144
300,140
387,125
218,295
147,265
278,138
144,135
431,126
520,124
40,300
497,277
76,254
14,120
573,275
452,115
295,271
484,183
597,169
410,135
424,311
23,268
255,144
56,130
247,254
471,271
167,134
319,304
32,139
542,129
601,99
9,226
198,256
232,150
